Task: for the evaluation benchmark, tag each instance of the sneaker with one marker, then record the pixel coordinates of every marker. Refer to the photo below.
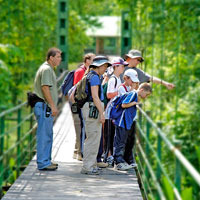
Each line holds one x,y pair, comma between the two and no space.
123,166
102,164
134,165
79,157
49,168
93,172
110,161
55,164
74,155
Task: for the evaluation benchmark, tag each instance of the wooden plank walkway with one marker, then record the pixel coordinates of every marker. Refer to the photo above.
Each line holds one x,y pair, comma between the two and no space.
67,182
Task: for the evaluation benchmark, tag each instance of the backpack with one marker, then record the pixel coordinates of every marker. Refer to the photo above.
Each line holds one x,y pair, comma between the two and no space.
80,95
105,88
68,81
116,109
115,106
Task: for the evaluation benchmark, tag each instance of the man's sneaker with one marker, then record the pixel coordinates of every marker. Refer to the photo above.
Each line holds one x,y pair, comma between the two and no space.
93,172
134,165
102,164
49,168
55,164
123,166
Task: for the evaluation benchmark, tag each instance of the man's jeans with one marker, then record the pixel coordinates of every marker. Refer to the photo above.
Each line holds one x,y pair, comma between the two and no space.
44,135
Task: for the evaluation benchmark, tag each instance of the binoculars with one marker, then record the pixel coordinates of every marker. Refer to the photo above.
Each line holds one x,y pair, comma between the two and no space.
93,112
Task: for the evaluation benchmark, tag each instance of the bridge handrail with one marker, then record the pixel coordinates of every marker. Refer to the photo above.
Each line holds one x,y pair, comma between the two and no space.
187,165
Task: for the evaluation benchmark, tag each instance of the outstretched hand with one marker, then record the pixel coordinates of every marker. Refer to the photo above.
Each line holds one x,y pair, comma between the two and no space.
169,86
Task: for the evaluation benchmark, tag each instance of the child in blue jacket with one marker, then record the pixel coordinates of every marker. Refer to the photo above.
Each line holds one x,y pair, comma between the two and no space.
124,123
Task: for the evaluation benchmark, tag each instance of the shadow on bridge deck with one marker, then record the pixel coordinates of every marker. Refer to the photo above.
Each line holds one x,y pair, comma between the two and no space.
67,182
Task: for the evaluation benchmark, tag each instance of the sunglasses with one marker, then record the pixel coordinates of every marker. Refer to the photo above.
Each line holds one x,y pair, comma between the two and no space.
139,60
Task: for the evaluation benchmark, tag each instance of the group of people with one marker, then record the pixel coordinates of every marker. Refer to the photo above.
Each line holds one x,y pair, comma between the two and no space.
100,132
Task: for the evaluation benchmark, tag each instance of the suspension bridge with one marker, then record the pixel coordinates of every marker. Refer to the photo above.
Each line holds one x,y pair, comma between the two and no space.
163,172
18,160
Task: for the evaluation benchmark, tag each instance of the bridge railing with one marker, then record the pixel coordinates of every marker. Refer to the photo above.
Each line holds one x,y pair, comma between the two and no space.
161,179
18,140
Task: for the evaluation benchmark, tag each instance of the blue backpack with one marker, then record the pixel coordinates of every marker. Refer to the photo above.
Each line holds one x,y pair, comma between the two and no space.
116,106
68,82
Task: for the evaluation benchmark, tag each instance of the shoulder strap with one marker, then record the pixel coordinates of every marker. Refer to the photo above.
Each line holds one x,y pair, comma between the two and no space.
89,75
115,80
83,67
124,87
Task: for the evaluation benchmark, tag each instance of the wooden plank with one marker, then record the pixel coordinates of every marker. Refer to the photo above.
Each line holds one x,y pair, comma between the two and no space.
67,182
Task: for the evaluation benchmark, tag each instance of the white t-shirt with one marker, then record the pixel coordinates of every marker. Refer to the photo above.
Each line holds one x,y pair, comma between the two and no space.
111,84
121,89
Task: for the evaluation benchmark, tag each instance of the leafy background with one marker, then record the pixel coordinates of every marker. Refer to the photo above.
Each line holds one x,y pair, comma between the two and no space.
167,32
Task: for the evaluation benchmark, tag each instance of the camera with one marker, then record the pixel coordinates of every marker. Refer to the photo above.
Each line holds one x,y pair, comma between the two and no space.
48,111
74,108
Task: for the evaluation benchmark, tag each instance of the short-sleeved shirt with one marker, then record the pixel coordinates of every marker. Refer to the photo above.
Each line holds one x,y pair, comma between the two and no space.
121,89
46,76
95,81
78,74
142,76
112,85
129,114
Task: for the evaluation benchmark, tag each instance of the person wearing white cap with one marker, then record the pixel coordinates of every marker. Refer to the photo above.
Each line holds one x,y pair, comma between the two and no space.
124,137
134,57
131,82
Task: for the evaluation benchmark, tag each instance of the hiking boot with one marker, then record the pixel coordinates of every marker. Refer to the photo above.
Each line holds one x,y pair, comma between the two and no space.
49,168
93,172
55,164
123,166
102,164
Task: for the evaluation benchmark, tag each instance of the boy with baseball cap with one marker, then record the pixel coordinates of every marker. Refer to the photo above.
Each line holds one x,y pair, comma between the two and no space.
131,82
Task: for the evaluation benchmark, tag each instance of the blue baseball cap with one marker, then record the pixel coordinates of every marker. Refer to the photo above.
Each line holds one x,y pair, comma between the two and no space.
100,60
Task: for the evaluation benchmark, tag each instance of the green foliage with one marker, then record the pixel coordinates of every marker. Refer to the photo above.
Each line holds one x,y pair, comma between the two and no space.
28,29
168,190
168,33
187,194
